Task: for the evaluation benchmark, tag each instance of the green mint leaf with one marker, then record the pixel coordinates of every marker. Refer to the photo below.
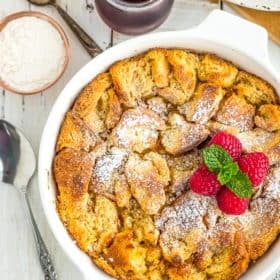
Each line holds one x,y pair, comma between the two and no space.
227,172
215,158
241,185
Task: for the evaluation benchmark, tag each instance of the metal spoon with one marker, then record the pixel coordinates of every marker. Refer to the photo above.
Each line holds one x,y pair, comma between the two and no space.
17,166
91,47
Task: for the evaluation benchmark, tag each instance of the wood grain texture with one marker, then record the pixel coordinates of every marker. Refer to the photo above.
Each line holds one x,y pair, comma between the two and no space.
19,259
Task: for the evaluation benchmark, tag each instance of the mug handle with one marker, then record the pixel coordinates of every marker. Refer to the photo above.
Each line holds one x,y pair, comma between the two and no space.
236,33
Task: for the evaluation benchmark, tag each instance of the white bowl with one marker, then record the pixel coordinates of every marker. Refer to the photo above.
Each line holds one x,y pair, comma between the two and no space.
233,38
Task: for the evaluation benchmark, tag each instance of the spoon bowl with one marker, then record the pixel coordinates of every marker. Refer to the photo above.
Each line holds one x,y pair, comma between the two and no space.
17,166
17,159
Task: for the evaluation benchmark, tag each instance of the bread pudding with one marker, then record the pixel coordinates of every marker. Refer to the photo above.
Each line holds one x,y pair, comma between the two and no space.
127,149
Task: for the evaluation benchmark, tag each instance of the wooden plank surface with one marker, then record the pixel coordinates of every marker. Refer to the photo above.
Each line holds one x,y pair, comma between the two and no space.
19,260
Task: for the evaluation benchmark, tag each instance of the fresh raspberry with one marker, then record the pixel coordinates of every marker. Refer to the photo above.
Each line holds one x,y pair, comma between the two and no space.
228,142
230,203
204,182
255,165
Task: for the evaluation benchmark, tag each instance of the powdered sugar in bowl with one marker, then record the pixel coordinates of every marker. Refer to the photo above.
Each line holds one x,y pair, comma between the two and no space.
34,52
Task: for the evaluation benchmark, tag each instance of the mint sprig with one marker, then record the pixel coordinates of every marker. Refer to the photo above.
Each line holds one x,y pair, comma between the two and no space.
228,173
241,185
215,158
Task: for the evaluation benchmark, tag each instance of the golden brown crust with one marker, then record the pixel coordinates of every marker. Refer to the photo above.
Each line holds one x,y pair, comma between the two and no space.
160,67
255,90
182,77
137,130
236,112
126,151
114,109
262,141
146,183
74,133
182,136
98,105
268,117
132,80
213,69
72,171
205,103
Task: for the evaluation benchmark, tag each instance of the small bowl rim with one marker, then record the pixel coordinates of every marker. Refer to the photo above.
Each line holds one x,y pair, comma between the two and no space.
58,27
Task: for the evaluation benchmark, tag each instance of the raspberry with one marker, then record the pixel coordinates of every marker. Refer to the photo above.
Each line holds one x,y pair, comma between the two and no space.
228,142
255,165
231,204
204,181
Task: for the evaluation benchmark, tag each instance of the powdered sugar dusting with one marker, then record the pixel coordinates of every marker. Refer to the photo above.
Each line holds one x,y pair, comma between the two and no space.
236,112
138,129
157,105
108,163
192,213
265,204
188,212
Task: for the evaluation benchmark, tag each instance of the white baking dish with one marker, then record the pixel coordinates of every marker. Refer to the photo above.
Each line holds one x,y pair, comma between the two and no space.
231,37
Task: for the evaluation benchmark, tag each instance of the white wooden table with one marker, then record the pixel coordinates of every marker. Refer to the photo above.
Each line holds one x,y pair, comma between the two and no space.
18,259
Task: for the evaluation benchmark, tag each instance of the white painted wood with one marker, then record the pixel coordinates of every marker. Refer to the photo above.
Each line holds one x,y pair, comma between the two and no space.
18,255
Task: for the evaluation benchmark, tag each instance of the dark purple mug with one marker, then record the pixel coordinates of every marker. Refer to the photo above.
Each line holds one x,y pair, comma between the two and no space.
133,16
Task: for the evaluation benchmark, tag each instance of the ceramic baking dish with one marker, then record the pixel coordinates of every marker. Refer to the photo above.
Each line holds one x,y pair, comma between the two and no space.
233,38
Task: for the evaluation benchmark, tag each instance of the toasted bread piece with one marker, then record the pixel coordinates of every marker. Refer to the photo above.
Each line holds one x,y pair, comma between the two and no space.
142,224
264,214
182,79
146,184
213,69
186,272
137,130
181,169
98,106
122,192
113,109
105,171
132,80
74,133
73,179
73,199
184,65
160,164
268,117
214,127
107,222
126,255
236,112
204,105
182,136
262,141
193,222
158,105
160,67
255,90
178,224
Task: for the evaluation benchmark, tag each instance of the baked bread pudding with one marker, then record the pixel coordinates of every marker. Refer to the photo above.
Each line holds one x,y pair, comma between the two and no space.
130,144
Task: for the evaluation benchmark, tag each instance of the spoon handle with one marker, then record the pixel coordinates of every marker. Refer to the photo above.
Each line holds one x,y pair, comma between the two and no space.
44,256
91,47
